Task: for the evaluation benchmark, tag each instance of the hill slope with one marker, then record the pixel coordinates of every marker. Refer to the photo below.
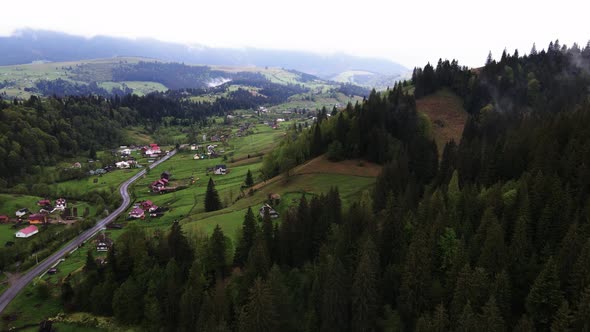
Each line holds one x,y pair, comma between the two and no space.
447,116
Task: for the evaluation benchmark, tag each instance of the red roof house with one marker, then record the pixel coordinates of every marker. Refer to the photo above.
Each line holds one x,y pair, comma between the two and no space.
37,218
27,232
44,202
137,213
4,218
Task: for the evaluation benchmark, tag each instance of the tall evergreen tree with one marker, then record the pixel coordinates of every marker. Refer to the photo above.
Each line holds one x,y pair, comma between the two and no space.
563,319
212,202
216,252
247,238
258,314
545,295
249,180
365,294
490,319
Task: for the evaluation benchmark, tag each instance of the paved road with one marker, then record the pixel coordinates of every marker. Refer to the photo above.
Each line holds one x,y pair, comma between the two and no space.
18,285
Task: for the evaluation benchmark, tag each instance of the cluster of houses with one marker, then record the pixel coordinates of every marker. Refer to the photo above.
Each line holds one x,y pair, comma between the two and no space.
42,217
140,210
162,185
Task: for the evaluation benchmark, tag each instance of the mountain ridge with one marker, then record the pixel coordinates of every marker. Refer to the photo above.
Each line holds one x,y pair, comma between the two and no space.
28,45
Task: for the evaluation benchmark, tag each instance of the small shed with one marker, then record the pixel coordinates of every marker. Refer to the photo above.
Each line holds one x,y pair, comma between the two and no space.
220,169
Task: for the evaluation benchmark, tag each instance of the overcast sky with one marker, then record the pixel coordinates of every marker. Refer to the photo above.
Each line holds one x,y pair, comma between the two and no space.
409,32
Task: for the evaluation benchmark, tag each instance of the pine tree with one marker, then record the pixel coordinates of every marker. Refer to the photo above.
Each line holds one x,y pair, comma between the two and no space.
247,239
170,305
545,295
258,259
468,321
364,289
286,320
503,294
152,311
440,321
212,202
249,180
179,247
191,299
580,277
563,319
582,315
490,319
216,252
524,324
334,301
128,302
259,313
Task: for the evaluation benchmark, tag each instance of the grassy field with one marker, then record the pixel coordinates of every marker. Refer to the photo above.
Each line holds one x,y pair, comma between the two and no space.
316,101
447,116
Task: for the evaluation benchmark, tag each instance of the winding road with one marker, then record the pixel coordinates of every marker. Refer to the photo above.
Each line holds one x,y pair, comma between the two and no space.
19,284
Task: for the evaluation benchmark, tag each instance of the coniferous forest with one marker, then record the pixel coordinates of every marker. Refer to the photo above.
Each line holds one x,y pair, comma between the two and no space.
491,234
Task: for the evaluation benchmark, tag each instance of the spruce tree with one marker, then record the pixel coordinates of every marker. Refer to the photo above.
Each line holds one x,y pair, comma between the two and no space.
582,314
249,180
468,320
563,319
216,253
545,295
247,239
212,202
490,319
365,296
259,314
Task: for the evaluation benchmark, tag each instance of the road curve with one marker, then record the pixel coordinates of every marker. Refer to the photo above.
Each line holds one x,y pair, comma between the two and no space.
18,285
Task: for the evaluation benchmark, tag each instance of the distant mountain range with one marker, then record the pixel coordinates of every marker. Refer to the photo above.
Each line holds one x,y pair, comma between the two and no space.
26,46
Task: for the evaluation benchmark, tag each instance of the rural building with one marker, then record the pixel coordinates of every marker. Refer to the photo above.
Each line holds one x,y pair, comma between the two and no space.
125,152
44,202
137,213
268,209
4,219
103,243
61,204
165,175
38,218
27,232
76,165
220,169
22,212
122,164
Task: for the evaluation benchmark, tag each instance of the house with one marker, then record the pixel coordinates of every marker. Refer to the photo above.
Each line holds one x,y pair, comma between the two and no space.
194,147
27,232
44,202
122,164
46,209
76,165
103,243
22,212
4,218
137,213
61,204
165,175
147,205
197,156
38,218
220,169
125,152
267,209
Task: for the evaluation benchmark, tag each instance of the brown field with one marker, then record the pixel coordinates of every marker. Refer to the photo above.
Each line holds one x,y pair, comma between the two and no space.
346,167
445,111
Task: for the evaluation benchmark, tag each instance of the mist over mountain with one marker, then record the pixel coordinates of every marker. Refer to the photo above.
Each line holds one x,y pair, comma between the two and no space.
26,46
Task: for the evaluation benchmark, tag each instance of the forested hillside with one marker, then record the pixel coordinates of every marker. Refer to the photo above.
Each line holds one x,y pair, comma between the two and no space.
493,236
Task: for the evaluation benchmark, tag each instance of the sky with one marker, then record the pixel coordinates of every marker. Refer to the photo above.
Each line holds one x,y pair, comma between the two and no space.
408,32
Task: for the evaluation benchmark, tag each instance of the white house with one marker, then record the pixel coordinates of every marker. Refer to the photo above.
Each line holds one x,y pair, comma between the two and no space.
125,152
27,232
220,169
122,164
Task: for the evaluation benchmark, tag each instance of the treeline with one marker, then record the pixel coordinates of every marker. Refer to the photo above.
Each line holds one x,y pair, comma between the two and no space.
385,127
350,89
549,80
61,88
172,75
